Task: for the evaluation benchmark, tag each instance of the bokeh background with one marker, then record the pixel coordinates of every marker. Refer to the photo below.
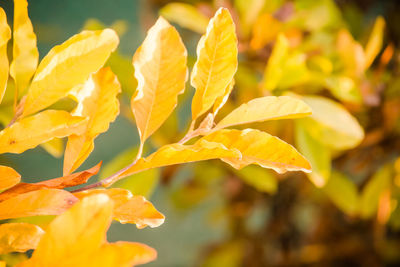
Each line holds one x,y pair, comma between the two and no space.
215,218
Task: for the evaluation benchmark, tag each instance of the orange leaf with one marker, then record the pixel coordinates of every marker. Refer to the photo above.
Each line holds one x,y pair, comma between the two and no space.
56,183
40,202
8,177
129,208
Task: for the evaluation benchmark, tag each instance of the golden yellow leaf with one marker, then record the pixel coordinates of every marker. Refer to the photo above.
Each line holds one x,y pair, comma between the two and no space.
121,254
178,154
5,35
68,65
8,177
58,183
186,16
78,238
98,101
129,208
259,148
19,237
332,124
76,234
25,52
266,108
160,68
375,41
221,100
29,132
216,62
40,202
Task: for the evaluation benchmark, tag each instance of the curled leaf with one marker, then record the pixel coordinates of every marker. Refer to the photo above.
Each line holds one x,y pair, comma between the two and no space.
56,183
259,148
19,237
129,208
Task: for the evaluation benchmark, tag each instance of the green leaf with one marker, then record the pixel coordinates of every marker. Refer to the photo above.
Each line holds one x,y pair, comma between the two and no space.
342,192
373,190
317,154
259,178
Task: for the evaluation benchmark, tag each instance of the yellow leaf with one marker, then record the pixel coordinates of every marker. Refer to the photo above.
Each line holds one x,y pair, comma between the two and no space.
29,132
160,68
40,202
186,16
266,108
129,208
25,53
275,68
221,100
5,35
68,65
98,101
8,177
78,238
216,62
76,234
375,41
332,124
178,154
122,254
259,148
19,237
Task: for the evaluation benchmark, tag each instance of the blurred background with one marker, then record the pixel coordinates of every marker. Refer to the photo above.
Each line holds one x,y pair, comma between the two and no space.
341,56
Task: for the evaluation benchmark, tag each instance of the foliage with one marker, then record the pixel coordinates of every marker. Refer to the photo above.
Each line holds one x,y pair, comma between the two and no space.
36,115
